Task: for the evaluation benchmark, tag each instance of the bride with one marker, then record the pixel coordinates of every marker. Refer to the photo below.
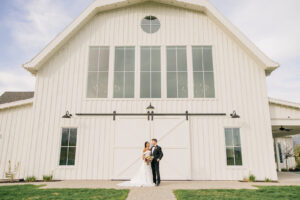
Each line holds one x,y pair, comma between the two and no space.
144,177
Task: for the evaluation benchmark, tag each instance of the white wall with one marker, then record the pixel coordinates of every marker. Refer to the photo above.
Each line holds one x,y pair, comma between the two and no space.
15,124
284,115
239,81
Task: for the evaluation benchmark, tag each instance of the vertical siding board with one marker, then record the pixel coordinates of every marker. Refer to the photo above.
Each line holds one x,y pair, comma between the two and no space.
61,86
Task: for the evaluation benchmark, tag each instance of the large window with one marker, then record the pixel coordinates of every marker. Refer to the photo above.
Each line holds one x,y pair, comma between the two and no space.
98,72
177,72
203,72
233,146
68,146
150,72
124,72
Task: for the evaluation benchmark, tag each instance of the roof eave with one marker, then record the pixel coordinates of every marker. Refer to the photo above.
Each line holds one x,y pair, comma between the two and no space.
284,103
16,104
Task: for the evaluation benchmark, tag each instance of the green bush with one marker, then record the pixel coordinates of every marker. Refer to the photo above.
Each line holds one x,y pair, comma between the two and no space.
30,179
267,180
47,178
252,178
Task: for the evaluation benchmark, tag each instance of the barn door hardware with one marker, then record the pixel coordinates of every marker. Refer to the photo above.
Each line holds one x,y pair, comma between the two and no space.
150,115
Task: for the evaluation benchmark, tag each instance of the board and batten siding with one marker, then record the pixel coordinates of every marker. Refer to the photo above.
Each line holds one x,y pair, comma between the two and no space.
240,84
15,124
284,115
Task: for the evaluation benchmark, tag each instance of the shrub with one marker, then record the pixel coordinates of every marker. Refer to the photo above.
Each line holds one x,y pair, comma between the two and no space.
47,177
30,179
252,178
267,180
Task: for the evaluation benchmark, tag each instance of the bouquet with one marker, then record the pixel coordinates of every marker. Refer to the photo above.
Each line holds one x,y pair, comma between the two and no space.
149,159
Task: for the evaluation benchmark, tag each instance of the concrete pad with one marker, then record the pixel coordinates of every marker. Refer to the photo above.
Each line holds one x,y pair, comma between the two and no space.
165,190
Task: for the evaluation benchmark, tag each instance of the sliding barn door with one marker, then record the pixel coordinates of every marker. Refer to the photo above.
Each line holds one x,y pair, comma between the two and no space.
174,138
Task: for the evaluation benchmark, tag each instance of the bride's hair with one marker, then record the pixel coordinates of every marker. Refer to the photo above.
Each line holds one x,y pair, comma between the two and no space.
146,143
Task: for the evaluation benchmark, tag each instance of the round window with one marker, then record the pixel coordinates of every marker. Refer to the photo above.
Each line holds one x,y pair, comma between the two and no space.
150,24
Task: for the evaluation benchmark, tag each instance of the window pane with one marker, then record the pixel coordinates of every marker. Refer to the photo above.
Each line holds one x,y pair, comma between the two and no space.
63,155
198,85
119,59
197,59
209,84
102,84
118,84
171,59
155,85
145,59
181,59
71,156
129,84
146,21
155,59
238,156
154,28
93,58
236,137
146,28
207,59
228,137
182,85
92,85
65,137
172,85
145,85
104,59
129,59
73,137
230,156
154,21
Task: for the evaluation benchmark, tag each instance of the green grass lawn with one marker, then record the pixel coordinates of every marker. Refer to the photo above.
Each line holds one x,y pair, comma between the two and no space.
263,192
26,192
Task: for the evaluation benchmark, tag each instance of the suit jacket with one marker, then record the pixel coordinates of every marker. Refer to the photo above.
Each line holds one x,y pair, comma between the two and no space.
157,153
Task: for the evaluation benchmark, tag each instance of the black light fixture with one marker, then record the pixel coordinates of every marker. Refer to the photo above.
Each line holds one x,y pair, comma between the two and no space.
234,115
67,115
150,112
150,108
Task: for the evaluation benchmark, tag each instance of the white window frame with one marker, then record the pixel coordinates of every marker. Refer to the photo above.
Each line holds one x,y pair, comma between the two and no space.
135,73
225,145
150,47
60,146
187,71
88,71
203,71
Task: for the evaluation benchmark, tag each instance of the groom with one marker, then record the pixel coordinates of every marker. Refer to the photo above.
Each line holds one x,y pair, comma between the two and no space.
157,153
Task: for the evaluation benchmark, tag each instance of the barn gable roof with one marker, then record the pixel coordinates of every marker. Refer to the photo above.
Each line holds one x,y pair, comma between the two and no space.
105,5
284,103
8,97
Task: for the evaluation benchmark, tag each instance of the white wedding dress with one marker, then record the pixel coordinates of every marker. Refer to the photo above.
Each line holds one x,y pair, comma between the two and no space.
143,178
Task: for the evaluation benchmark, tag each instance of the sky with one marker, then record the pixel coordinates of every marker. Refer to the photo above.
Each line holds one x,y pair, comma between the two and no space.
27,26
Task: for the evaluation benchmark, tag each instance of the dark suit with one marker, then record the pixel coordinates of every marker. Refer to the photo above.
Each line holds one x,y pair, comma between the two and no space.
157,154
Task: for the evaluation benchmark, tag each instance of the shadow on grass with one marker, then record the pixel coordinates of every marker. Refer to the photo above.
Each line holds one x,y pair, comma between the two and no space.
263,192
26,192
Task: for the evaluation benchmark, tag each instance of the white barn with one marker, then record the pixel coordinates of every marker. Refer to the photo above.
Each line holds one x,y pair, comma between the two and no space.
115,59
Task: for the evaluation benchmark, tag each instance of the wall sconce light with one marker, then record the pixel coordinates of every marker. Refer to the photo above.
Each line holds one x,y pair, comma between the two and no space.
150,108
67,115
150,111
234,115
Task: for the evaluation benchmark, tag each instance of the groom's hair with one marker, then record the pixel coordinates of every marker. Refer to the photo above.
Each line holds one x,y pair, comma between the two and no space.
155,140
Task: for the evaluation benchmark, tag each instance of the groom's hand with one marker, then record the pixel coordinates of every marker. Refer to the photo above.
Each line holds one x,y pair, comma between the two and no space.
158,160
